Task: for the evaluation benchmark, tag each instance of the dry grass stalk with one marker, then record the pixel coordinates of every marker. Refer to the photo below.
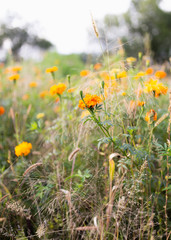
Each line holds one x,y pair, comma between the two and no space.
95,27
87,228
1,199
161,119
73,154
31,168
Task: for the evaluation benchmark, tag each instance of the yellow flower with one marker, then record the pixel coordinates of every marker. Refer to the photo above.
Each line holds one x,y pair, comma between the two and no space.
33,84
151,115
14,77
84,73
16,69
70,90
131,59
90,101
40,115
122,75
57,89
139,75
23,149
123,93
52,69
152,85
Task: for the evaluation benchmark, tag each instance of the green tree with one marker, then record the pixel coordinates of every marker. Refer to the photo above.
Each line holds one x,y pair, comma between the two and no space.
143,20
20,36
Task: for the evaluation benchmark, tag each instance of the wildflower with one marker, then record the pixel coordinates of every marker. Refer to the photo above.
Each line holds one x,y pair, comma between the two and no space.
152,85
57,89
25,97
33,84
121,75
151,115
139,75
131,59
97,66
84,73
16,69
14,77
23,149
140,103
52,69
43,94
2,110
160,74
89,101
123,93
149,71
40,115
70,90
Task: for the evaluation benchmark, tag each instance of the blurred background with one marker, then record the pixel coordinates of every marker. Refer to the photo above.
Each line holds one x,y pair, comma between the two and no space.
31,29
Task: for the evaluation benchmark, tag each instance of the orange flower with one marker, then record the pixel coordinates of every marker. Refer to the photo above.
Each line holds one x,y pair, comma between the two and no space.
70,90
151,115
90,101
97,66
2,110
57,89
33,84
140,104
149,71
14,77
25,97
43,94
23,149
84,73
52,69
160,74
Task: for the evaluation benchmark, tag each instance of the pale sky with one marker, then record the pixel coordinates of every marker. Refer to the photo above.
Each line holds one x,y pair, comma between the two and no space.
65,22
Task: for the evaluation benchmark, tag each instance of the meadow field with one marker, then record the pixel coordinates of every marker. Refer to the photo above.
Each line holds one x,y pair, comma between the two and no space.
85,148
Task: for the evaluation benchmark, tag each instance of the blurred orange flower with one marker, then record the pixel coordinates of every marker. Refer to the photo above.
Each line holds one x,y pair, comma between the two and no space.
160,74
84,73
33,84
43,94
97,66
57,89
52,69
149,71
151,115
2,110
70,90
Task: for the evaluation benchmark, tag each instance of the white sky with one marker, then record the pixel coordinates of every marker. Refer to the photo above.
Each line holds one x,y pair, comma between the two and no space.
65,22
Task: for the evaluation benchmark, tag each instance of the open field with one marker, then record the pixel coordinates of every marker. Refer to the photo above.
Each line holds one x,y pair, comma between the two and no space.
85,149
